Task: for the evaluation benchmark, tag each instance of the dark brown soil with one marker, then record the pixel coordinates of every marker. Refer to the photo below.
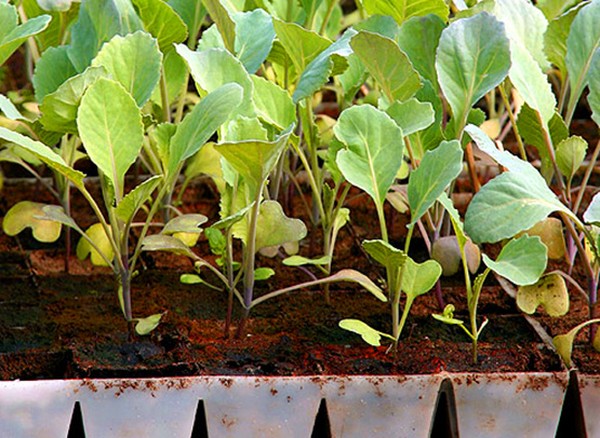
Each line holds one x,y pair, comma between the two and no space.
54,325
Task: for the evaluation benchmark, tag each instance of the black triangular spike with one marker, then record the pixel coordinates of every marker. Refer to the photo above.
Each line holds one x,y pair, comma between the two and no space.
200,429
322,427
76,429
571,423
444,424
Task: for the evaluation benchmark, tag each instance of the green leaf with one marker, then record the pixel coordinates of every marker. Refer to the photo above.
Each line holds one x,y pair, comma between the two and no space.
392,258
13,35
53,68
192,14
228,221
390,67
186,223
412,115
301,45
356,277
570,154
564,345
224,23
437,170
553,8
374,149
550,292
418,37
447,316
201,123
521,261
555,40
136,198
368,334
582,44
134,61
254,160
274,228
190,279
59,108
27,214
273,104
162,242
97,235
9,109
216,67
316,74
57,214
261,274
297,260
254,35
112,139
145,325
594,83
473,57
419,278
550,231
162,22
402,10
510,203
592,213
45,154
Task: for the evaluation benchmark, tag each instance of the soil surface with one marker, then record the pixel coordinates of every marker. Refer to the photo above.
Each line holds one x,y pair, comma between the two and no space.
59,325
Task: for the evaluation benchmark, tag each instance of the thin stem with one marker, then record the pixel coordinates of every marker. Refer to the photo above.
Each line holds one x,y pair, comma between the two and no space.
164,97
330,8
513,123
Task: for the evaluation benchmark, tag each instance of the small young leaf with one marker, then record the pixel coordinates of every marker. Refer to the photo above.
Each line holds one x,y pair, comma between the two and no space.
162,22
190,279
13,35
419,278
411,115
368,334
135,199
162,242
27,214
436,171
261,274
274,228
273,104
297,260
564,346
570,154
522,260
447,316
145,325
357,277
97,235
550,292
9,109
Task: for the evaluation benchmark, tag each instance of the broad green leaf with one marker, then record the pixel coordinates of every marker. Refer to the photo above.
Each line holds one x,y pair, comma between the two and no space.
437,170
224,22
592,213
97,235
162,22
192,14
525,26
26,214
112,139
201,123
390,67
9,109
254,160
418,37
353,77
242,128
274,228
402,10
419,278
216,67
317,72
59,109
392,258
53,68
301,45
162,242
297,260
175,72
206,161
367,333
97,23
273,104
134,61
261,274
594,83
570,154
550,292
374,149
254,35
136,198
582,43
522,260
228,221
186,223
12,35
45,154
145,325
553,8
381,24
473,57
55,5
532,131
510,203
555,40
